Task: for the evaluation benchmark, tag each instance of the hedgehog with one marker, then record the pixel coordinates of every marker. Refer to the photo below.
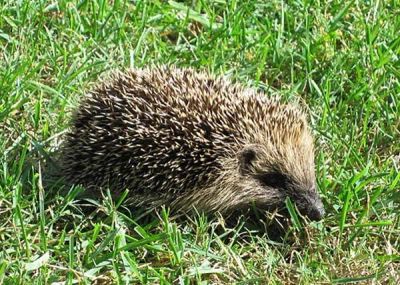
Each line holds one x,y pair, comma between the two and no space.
190,140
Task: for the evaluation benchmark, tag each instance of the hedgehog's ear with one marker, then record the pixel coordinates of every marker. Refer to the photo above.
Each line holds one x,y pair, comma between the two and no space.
247,157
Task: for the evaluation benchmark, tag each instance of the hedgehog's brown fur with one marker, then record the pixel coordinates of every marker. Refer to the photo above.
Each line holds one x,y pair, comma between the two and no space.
187,139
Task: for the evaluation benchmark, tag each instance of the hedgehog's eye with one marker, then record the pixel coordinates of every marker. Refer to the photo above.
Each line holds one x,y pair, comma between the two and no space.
273,179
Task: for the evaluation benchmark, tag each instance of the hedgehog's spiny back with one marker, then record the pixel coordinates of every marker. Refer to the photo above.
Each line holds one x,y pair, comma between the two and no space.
136,131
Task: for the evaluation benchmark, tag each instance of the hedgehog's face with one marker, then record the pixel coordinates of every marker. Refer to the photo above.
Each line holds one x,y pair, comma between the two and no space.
271,174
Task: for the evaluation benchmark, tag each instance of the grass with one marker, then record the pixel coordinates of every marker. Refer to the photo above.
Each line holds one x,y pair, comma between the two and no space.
342,58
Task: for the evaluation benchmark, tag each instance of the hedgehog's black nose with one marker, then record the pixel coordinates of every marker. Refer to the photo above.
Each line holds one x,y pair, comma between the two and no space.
315,210
309,204
316,213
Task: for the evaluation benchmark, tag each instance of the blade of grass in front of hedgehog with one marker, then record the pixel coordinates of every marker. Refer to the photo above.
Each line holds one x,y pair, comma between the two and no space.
293,213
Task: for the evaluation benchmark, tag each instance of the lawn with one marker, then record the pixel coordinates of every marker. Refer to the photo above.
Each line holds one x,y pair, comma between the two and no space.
339,58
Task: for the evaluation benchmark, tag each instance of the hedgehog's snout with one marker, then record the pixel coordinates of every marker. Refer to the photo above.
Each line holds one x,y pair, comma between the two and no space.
316,212
310,205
